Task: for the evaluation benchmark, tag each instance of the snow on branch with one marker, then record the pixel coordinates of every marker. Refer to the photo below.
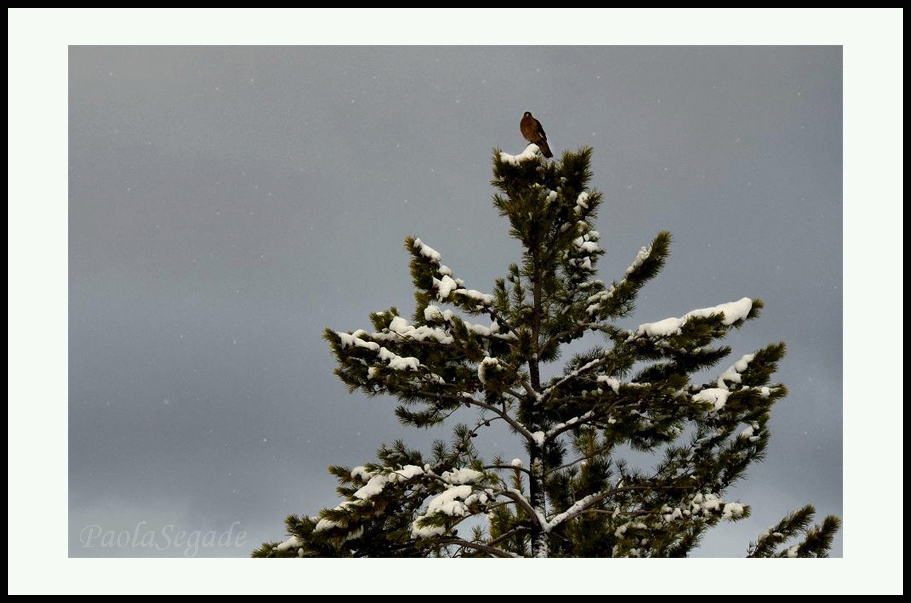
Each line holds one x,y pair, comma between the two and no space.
434,314
482,299
643,255
575,509
399,331
599,300
377,481
705,504
428,252
455,501
617,299
393,360
579,259
458,477
292,543
582,201
374,484
567,425
487,364
446,285
452,502
530,152
401,326
718,396
732,373
732,312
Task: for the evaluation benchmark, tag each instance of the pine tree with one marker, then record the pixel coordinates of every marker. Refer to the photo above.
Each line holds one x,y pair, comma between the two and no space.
574,494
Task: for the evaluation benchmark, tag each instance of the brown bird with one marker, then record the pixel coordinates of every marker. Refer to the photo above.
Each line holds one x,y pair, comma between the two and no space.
533,132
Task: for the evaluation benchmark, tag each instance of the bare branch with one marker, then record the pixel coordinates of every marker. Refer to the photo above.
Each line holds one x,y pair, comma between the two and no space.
520,468
520,501
479,547
500,413
581,458
513,532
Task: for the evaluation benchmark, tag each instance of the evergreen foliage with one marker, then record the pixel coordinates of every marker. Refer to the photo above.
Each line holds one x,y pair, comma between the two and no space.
574,494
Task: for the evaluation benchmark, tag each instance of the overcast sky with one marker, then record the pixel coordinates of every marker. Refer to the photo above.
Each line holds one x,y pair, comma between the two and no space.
227,203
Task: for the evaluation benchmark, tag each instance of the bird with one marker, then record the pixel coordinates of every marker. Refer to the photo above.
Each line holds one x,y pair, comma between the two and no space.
533,132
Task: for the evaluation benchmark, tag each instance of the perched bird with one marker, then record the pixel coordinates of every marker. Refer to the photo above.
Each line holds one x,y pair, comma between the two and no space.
533,132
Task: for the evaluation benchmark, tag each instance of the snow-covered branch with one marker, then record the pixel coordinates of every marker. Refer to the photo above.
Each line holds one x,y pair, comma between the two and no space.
731,313
577,508
445,285
531,152
718,396
556,430
448,288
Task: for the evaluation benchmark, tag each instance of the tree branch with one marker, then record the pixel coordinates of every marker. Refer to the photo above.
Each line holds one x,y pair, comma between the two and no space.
520,468
581,458
570,424
513,532
573,332
520,501
584,504
494,315
500,413
478,546
579,371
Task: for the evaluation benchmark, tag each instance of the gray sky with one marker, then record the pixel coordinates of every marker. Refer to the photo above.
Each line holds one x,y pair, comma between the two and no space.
228,203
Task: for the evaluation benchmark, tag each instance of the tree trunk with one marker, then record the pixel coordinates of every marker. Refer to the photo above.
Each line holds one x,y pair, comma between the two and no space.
539,542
